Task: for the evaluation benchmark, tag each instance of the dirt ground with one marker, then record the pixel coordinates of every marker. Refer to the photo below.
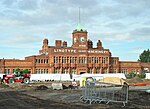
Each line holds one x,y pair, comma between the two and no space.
33,96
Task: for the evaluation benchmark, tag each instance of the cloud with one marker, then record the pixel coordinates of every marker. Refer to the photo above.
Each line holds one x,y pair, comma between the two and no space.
147,22
26,23
21,41
142,33
44,11
21,4
28,4
10,23
136,34
115,25
122,9
9,2
117,37
136,51
25,39
74,3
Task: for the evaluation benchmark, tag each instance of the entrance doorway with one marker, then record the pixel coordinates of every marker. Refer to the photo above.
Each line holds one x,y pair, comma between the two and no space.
82,73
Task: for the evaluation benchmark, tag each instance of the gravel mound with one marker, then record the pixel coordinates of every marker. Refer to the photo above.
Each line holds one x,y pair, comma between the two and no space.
42,87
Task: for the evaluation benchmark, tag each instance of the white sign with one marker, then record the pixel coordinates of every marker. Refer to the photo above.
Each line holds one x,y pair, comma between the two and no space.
81,51
65,50
97,51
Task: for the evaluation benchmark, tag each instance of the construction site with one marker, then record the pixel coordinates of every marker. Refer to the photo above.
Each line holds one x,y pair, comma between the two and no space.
108,93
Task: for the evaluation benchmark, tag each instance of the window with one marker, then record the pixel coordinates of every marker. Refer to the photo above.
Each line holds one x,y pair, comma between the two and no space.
56,60
41,60
46,60
97,70
13,70
56,70
79,60
89,60
82,60
72,60
90,71
104,70
113,70
41,71
96,60
37,61
133,71
104,61
29,70
73,71
37,71
75,60
114,61
45,71
65,71
124,71
7,71
64,60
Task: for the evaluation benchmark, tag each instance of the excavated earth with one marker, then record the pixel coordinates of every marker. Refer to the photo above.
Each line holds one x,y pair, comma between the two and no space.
41,96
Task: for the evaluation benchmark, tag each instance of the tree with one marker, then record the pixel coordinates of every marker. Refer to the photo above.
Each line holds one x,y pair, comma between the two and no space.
21,72
17,71
26,71
145,56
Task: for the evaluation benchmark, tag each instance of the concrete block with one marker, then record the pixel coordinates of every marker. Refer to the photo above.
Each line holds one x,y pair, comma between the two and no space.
57,86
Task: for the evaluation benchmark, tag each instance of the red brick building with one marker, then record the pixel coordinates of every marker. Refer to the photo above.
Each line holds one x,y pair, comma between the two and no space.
80,58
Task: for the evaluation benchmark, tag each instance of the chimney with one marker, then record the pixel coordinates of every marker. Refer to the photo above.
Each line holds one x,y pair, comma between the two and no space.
58,43
64,44
90,44
44,47
45,42
99,44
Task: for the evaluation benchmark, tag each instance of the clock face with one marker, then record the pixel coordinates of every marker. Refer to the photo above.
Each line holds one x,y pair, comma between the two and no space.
82,39
75,40
46,53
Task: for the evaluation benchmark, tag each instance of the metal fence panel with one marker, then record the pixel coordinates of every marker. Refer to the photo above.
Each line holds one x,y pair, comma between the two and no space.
98,92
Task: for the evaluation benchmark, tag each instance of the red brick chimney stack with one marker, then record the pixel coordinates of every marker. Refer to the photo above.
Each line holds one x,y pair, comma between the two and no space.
58,43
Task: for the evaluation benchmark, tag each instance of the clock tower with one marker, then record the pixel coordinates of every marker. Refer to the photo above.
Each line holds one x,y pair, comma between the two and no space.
79,38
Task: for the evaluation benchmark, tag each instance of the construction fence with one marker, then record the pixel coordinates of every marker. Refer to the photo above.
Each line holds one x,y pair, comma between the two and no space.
101,92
